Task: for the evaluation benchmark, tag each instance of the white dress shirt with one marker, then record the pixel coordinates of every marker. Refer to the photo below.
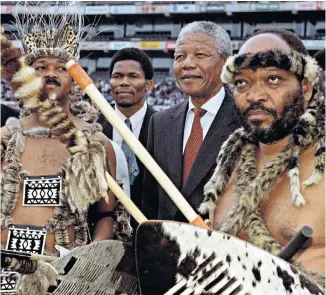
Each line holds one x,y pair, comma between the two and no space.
136,123
122,175
212,106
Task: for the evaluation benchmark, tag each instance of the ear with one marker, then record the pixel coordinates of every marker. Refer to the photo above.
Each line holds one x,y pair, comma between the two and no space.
149,85
306,90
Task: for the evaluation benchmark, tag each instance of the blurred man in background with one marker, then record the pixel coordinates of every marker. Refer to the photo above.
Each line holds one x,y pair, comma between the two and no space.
185,139
131,77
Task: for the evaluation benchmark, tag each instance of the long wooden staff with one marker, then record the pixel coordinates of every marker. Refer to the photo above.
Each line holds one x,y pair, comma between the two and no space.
85,82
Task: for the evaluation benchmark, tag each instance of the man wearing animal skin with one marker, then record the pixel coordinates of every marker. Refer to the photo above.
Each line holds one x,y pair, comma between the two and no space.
278,155
40,145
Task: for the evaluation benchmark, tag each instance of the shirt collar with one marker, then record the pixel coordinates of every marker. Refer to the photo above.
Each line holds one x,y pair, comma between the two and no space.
212,105
136,118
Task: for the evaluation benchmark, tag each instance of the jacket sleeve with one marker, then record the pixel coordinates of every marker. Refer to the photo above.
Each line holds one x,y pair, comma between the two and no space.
150,192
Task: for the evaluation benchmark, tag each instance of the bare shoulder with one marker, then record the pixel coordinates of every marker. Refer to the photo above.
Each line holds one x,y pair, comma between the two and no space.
4,131
99,136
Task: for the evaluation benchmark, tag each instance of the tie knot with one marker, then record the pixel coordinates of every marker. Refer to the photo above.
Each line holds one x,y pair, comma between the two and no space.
128,123
199,112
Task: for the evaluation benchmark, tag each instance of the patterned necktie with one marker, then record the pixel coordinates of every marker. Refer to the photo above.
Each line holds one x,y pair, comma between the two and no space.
130,156
193,144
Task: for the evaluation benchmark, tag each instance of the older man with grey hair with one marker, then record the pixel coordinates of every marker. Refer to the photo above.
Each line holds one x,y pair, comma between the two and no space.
185,139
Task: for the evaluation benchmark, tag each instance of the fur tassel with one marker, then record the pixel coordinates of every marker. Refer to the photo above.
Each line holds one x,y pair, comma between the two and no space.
38,283
85,173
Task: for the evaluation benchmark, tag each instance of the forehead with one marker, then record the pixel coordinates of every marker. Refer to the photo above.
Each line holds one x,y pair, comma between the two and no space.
49,59
264,42
262,71
127,66
197,40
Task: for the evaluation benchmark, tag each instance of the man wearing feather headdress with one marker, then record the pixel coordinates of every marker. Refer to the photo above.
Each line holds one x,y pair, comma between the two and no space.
269,180
53,163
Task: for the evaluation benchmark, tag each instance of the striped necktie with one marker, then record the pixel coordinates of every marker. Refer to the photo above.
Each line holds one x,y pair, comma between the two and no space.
130,156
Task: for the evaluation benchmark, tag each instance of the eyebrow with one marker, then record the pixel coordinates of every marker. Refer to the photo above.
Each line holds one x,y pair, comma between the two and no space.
45,61
269,69
126,73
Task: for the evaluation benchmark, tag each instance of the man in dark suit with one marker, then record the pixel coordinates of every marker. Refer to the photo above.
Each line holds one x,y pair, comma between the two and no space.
185,139
131,77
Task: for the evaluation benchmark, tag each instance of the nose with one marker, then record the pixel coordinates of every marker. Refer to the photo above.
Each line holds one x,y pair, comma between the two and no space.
189,63
124,81
257,93
51,73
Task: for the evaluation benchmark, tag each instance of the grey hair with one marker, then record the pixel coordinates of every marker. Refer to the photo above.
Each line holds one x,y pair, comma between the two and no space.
223,41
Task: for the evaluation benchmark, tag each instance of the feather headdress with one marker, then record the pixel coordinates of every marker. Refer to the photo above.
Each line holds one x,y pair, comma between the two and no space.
50,29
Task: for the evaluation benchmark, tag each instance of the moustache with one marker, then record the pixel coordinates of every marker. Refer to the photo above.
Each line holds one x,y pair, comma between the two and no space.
52,81
259,106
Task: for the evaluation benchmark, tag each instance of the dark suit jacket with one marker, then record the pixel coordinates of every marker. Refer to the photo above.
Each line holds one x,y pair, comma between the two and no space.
7,112
165,142
137,188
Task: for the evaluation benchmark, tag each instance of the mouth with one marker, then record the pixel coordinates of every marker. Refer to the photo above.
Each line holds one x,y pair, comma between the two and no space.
51,85
124,92
257,115
190,77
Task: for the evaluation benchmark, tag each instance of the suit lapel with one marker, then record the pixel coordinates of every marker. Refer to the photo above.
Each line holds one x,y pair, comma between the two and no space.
218,132
175,137
107,127
144,128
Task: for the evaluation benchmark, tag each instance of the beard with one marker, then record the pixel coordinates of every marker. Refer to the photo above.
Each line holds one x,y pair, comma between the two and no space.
283,123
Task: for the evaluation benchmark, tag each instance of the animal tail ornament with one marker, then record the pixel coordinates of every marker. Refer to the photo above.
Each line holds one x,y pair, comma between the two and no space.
86,166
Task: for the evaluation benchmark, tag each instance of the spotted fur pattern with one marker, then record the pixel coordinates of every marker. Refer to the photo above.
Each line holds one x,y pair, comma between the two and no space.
301,65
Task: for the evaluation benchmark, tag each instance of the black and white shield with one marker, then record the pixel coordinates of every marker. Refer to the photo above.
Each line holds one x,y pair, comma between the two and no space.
177,258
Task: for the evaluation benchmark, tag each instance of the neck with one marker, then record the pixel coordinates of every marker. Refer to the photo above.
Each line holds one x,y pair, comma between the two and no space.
64,106
199,101
129,111
273,149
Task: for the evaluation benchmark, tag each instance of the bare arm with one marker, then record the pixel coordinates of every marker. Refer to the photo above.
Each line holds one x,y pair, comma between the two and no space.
104,227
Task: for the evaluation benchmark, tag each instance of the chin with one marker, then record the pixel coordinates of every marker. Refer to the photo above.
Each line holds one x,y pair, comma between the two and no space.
125,104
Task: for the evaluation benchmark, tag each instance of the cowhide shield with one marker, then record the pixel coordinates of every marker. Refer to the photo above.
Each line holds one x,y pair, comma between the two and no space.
103,268
177,258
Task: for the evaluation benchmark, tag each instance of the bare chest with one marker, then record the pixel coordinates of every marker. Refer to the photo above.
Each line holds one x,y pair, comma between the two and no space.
282,218
43,156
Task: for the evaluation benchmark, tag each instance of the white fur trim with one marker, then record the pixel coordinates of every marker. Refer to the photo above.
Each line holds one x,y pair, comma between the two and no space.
309,117
226,75
30,88
25,75
315,178
311,71
297,198
206,206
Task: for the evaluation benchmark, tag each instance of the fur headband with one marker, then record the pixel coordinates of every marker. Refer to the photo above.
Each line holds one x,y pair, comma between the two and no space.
301,65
